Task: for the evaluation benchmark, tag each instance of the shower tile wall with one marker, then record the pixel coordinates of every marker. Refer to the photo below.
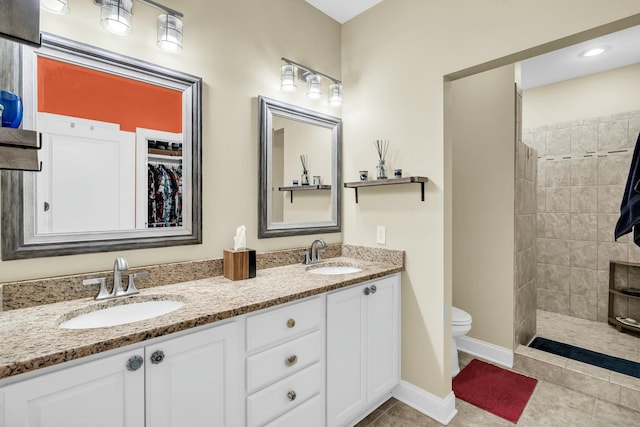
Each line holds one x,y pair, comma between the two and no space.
582,171
525,234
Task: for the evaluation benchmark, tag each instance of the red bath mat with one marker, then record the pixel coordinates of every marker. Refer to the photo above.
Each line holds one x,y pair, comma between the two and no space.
496,390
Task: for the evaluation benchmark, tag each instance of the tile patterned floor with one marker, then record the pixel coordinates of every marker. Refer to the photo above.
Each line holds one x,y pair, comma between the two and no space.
550,405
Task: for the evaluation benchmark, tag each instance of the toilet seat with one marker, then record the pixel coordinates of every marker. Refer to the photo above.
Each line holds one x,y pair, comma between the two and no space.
459,317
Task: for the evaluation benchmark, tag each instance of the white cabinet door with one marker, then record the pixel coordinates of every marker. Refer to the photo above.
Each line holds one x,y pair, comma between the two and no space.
383,338
103,393
195,380
345,354
363,347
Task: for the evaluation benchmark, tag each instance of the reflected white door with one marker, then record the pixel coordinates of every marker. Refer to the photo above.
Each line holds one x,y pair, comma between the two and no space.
104,199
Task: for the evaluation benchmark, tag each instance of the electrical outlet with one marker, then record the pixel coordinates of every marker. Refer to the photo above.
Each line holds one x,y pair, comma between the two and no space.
381,235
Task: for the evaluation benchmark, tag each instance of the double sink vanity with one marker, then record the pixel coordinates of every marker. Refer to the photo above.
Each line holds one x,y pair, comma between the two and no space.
296,345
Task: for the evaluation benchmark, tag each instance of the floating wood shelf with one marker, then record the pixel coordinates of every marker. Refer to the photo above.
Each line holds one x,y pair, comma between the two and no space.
391,181
19,149
160,152
304,188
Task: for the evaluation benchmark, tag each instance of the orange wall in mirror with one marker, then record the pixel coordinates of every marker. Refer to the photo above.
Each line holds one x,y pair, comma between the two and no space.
73,90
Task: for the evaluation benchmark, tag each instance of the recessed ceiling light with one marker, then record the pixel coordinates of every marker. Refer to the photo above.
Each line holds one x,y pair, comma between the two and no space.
594,51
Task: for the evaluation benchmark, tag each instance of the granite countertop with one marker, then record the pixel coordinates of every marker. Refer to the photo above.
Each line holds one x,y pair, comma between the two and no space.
30,338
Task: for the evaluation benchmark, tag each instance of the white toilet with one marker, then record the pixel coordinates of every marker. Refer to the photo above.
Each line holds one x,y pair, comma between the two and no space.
460,325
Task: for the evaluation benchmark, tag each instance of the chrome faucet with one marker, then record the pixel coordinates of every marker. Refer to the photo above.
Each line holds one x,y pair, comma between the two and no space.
119,266
315,252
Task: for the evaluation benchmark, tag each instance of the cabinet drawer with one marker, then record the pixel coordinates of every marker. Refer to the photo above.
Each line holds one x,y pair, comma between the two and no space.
275,400
309,414
286,359
280,324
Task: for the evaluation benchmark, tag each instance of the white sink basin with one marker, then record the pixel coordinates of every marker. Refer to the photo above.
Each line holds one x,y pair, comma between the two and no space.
121,314
333,270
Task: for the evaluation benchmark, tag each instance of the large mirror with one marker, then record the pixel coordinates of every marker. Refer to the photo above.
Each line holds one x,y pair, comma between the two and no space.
121,155
294,140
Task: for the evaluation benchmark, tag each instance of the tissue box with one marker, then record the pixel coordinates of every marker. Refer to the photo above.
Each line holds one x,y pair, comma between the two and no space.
239,264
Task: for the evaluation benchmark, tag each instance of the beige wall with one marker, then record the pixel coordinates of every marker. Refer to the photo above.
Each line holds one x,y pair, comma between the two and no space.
394,59
483,127
235,46
601,94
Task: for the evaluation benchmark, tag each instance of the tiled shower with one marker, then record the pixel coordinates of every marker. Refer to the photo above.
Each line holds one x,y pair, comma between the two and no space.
582,172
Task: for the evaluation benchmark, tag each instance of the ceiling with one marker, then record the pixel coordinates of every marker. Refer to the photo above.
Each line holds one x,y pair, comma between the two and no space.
623,48
343,10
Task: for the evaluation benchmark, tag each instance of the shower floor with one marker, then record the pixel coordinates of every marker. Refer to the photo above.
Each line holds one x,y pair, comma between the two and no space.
595,336
591,380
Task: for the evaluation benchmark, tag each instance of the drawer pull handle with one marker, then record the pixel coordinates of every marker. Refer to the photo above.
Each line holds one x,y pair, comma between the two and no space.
291,360
367,291
134,363
373,289
157,357
291,395
291,323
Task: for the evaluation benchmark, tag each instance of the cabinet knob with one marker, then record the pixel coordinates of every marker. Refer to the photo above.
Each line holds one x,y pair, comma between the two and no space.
291,323
367,291
373,289
134,363
291,395
157,357
291,360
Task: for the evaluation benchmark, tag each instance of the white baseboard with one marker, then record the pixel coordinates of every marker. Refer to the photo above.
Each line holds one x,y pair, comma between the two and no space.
441,410
491,352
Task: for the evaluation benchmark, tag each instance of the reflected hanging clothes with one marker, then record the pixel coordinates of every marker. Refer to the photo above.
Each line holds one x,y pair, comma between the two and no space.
630,206
165,195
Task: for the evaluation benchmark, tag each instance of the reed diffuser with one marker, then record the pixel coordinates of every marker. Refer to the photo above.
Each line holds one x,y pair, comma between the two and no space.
304,179
382,145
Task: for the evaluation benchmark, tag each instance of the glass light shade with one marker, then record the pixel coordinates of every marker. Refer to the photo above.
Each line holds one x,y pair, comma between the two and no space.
59,7
335,94
116,16
315,86
287,78
169,33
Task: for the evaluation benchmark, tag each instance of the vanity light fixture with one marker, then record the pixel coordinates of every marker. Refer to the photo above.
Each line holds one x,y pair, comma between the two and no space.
59,7
313,79
116,17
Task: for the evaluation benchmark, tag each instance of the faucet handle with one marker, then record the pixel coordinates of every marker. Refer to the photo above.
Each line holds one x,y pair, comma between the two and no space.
320,252
131,288
103,293
305,254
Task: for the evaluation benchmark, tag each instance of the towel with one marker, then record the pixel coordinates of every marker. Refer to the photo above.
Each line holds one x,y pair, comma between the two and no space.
630,206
